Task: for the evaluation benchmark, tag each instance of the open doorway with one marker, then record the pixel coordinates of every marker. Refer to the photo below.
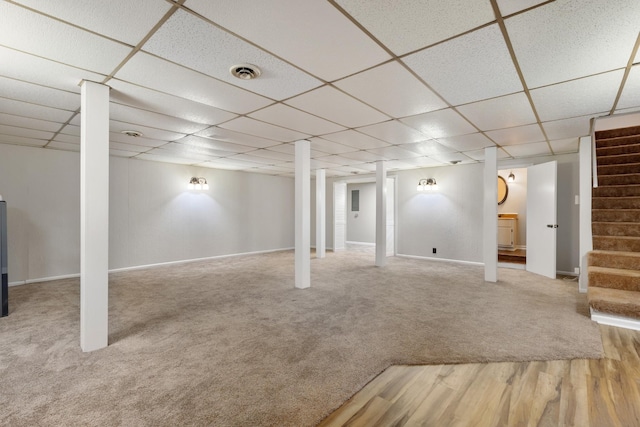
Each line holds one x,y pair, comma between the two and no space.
512,219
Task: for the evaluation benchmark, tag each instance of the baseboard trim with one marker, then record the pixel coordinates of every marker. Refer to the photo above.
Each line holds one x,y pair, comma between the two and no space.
440,259
360,243
567,273
613,320
512,265
142,267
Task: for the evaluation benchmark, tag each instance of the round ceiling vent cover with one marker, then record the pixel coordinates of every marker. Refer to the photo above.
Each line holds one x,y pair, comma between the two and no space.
133,133
245,71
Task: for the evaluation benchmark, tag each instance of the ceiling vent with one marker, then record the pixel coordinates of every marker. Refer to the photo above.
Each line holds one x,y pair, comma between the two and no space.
133,133
245,71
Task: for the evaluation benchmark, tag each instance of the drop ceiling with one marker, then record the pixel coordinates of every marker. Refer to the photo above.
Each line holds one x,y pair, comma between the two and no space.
418,83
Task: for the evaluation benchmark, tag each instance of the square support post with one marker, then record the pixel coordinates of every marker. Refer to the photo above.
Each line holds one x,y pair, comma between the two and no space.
490,221
381,213
303,215
321,212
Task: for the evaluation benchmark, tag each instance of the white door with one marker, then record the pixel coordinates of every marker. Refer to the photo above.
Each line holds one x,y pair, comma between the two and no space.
542,218
339,216
391,218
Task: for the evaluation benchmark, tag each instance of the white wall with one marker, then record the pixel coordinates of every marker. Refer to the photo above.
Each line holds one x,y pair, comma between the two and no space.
361,225
153,217
516,201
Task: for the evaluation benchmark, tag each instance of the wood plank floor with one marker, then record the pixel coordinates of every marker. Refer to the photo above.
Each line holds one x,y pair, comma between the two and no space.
585,393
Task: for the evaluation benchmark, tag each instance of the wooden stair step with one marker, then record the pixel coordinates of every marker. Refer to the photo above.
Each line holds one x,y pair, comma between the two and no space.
618,169
616,243
619,179
616,229
629,202
614,259
618,133
615,215
614,278
619,159
616,190
618,149
614,301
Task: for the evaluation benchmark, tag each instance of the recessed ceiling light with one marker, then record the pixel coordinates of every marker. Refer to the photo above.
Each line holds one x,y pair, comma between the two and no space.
133,133
245,71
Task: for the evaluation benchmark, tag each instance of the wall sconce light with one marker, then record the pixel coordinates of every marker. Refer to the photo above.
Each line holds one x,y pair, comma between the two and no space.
198,184
427,184
511,177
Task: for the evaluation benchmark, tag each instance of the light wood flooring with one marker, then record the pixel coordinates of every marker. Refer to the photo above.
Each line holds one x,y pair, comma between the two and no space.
585,393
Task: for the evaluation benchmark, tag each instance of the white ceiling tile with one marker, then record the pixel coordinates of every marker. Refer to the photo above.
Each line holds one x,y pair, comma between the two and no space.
330,38
565,145
351,170
453,158
393,90
409,25
25,109
396,165
517,135
631,93
258,128
31,68
393,132
422,162
26,133
221,164
126,139
165,158
468,68
508,7
290,148
151,133
329,147
284,168
119,146
291,118
322,164
362,156
568,128
19,140
25,122
469,142
222,146
155,73
497,113
573,38
127,114
188,40
255,160
274,155
67,139
120,153
356,140
590,95
56,145
428,148
41,95
479,154
71,130
124,20
394,153
525,150
440,124
148,99
220,134
339,160
333,105
188,152
30,32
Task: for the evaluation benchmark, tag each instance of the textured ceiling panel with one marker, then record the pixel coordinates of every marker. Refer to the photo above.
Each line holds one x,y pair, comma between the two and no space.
331,104
413,24
508,7
19,108
569,145
148,71
227,135
25,122
393,132
393,90
428,148
124,113
124,20
329,37
574,38
394,153
517,135
193,42
291,118
590,95
255,127
497,113
355,139
567,128
41,95
46,37
329,147
19,140
525,150
473,141
631,93
149,132
25,133
469,68
440,124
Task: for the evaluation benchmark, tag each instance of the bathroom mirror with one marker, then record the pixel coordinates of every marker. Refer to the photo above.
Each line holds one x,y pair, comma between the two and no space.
503,190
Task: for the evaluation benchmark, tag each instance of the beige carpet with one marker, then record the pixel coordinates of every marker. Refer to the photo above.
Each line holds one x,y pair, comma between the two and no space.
230,342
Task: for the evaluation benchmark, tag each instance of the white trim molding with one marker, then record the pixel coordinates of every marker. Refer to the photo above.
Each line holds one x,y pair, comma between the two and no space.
613,320
426,258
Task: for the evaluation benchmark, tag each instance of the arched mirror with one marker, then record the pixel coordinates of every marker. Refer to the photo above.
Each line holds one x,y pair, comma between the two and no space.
503,190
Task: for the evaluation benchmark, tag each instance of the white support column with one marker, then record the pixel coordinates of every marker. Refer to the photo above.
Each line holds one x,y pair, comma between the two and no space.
321,213
303,214
381,213
490,222
94,216
586,186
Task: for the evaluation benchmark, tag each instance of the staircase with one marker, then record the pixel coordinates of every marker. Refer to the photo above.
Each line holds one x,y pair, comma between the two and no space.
614,264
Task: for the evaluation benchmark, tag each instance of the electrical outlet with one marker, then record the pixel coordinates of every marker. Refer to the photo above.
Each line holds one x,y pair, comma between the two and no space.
434,250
